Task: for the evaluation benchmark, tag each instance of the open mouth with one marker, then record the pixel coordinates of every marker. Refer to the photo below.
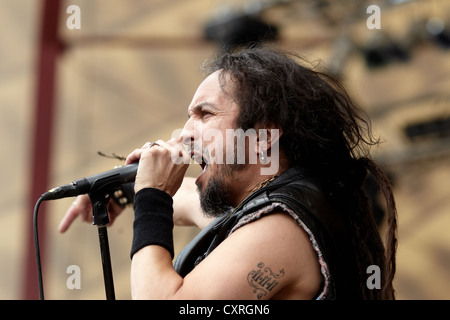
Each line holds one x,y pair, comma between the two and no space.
202,161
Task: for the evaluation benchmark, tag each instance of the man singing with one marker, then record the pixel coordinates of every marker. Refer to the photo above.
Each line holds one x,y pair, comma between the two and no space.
280,200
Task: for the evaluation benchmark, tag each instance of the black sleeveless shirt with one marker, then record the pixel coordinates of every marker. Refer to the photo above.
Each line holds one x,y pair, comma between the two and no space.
297,194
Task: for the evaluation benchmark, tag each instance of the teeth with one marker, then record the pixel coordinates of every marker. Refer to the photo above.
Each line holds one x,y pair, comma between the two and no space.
204,168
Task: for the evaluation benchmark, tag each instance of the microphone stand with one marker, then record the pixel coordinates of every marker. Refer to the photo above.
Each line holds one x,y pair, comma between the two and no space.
99,200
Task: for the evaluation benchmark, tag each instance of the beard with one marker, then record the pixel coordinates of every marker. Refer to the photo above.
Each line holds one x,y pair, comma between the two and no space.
214,199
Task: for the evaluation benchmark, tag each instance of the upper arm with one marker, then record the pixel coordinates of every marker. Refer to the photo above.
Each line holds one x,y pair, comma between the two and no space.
269,258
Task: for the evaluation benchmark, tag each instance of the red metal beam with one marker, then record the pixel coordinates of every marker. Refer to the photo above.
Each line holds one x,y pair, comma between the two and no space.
49,49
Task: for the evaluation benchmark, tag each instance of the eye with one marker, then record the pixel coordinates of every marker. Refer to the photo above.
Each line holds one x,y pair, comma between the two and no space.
205,113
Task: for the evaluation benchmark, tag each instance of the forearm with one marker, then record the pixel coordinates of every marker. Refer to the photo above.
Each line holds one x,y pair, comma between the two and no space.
185,202
186,206
152,274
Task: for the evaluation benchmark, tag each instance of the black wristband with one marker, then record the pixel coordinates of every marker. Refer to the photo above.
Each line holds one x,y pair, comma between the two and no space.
153,220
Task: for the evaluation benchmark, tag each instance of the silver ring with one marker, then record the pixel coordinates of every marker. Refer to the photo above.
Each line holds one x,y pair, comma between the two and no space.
151,144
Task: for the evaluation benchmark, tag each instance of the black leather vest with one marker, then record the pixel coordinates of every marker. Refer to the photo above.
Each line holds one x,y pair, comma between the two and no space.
303,196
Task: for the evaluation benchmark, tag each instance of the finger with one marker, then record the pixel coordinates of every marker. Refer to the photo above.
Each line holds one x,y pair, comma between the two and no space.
85,209
178,151
134,156
69,217
80,207
175,141
114,210
160,143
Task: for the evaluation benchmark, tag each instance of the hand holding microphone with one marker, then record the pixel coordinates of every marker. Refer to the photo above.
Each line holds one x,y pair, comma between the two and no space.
162,165
82,207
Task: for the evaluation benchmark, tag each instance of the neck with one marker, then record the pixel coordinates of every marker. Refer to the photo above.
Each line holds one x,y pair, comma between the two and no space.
250,179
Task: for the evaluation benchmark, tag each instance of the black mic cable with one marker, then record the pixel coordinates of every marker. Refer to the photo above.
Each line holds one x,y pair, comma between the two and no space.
36,248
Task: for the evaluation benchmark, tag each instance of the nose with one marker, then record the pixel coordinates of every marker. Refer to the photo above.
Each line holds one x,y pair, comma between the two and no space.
188,133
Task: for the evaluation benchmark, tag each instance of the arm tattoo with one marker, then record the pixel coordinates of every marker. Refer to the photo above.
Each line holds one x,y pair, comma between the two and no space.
263,280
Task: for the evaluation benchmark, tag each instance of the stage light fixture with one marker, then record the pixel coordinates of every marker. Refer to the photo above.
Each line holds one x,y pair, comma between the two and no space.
240,30
381,50
431,129
438,31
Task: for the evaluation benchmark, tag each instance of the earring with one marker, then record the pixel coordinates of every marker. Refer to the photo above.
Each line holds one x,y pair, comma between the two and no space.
262,157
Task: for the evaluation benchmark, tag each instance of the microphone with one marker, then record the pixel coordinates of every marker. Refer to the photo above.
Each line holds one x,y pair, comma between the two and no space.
110,179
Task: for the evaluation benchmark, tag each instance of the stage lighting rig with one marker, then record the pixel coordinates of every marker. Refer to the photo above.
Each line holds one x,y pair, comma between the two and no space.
438,31
240,29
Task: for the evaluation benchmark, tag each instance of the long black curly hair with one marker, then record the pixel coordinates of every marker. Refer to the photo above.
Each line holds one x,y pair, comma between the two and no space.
325,132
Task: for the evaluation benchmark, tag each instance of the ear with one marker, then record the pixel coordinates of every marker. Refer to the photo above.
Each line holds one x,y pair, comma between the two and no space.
267,136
